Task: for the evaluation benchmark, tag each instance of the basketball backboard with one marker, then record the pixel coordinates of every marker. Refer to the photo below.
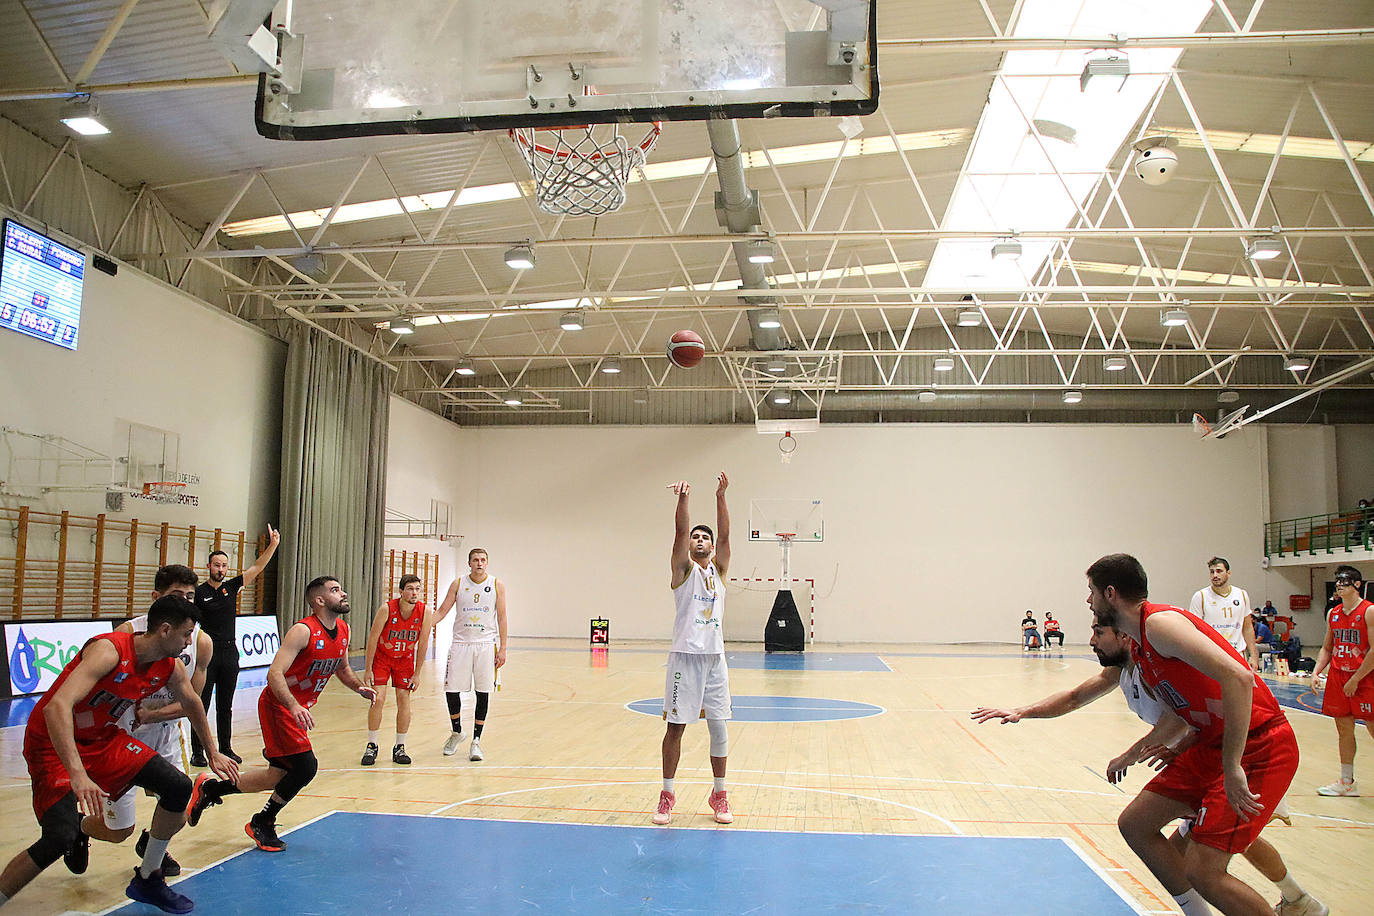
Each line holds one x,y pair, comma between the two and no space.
803,519
348,68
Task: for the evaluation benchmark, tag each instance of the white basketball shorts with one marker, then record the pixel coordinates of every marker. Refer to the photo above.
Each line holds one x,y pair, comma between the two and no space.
471,666
171,740
697,687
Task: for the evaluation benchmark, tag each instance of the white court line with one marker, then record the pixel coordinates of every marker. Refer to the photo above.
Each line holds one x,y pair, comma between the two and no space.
647,782
1106,878
232,855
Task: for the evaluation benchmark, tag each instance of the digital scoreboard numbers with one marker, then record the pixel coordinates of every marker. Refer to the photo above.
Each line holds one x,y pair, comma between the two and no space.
40,286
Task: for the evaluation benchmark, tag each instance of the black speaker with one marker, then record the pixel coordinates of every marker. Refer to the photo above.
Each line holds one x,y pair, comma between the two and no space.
784,631
104,265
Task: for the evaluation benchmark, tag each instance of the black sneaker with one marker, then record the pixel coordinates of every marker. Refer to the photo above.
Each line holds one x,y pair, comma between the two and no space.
153,890
198,759
264,833
170,867
203,795
79,856
399,755
231,755
370,754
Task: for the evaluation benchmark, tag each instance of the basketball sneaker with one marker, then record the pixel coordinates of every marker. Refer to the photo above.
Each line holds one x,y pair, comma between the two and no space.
153,890
451,746
1281,813
721,806
170,867
1306,905
264,833
399,755
203,795
1340,788
664,814
369,754
198,759
228,752
475,752
79,856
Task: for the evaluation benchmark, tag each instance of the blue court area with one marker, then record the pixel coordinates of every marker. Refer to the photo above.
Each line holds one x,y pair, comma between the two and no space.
777,709
380,863
806,661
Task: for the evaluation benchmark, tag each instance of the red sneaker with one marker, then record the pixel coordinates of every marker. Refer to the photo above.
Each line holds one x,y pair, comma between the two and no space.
664,814
721,806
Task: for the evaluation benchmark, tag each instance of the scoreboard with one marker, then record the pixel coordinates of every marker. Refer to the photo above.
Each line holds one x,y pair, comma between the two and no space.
40,286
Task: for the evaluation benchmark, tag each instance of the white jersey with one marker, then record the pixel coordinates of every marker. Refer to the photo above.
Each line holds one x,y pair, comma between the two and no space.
1138,697
163,695
700,604
475,621
1226,615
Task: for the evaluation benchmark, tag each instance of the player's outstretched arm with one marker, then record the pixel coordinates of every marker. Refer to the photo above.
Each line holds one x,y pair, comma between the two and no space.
1174,636
1055,705
722,558
260,564
682,526
374,635
188,699
292,644
98,659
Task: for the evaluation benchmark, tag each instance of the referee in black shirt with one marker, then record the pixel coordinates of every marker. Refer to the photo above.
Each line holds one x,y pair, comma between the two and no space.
217,601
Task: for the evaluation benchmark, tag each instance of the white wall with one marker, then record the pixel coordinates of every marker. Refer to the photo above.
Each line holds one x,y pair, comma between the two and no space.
1354,464
430,458
151,354
933,533
1302,471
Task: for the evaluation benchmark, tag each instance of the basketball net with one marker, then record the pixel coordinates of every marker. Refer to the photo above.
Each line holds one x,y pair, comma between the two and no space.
786,446
1201,426
581,171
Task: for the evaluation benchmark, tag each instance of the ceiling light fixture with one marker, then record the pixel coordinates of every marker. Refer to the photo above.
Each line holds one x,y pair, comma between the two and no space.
1114,363
571,321
81,115
1228,396
1263,248
1105,74
610,366
768,318
1008,249
782,396
401,326
969,318
776,366
1297,364
512,398
760,251
464,367
944,364
521,257
925,397
1072,396
1173,318
641,395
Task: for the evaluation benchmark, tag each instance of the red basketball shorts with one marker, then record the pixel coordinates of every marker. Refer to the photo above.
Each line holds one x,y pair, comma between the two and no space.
282,735
1337,705
110,764
1195,778
397,670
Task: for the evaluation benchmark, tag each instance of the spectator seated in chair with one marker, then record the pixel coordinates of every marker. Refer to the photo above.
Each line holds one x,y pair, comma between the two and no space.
1030,635
1052,630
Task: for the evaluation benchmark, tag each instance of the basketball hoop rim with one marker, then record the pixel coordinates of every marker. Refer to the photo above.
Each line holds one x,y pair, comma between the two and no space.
644,146
153,485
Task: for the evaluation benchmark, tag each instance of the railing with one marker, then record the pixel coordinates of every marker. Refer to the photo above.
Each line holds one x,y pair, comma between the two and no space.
76,566
1313,534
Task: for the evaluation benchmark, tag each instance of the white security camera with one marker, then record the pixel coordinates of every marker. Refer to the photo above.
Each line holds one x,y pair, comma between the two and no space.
1155,160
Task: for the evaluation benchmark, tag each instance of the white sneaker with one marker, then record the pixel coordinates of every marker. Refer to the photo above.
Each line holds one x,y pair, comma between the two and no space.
1306,905
1281,812
451,745
475,752
1340,788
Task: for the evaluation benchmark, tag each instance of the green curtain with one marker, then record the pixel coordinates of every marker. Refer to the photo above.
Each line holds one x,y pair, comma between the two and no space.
333,472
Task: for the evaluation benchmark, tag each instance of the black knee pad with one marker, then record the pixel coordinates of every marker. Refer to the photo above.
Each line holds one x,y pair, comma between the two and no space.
481,712
171,786
300,769
60,825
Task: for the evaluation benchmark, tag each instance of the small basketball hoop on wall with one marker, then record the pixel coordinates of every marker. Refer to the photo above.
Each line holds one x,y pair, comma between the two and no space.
583,170
163,491
1201,426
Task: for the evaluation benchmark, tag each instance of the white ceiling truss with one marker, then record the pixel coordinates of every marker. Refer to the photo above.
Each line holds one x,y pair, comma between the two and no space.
854,229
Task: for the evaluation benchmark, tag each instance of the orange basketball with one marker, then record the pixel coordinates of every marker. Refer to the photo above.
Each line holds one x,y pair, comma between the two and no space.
685,349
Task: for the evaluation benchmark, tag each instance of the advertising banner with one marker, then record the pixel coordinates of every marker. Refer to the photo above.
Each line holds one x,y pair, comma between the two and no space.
258,640
37,651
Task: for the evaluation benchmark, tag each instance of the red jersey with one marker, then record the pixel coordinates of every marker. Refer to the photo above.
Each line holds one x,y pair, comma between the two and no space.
401,635
1051,625
96,716
323,655
1349,635
1193,695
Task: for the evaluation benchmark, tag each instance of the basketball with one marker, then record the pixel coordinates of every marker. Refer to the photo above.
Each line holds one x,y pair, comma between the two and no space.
685,349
